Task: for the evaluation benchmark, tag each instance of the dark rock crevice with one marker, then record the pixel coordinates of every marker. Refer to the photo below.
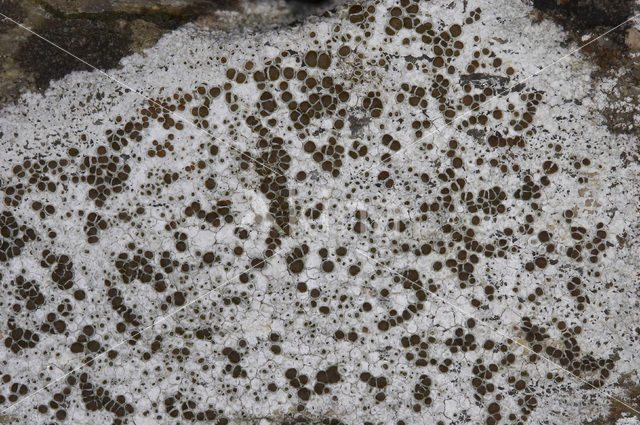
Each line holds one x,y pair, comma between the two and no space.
98,43
587,14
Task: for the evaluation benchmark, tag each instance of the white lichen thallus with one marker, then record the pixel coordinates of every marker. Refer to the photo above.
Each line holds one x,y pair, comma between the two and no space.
332,190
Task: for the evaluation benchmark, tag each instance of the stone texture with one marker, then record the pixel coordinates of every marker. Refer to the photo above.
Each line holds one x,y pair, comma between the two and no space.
138,6
632,39
299,228
101,32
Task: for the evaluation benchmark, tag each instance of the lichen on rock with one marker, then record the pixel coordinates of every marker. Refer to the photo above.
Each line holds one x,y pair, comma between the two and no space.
384,215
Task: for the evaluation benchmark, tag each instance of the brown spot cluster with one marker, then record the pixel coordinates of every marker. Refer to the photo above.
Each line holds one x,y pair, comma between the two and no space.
530,191
178,406
42,175
139,267
29,292
53,325
17,389
98,398
219,213
107,173
84,344
377,383
410,280
417,348
45,211
271,166
358,150
295,260
462,341
329,155
584,246
570,356
363,16
234,357
20,338
201,112
13,236
325,378
461,225
129,316
577,290
488,201
422,392
13,194
95,222
62,269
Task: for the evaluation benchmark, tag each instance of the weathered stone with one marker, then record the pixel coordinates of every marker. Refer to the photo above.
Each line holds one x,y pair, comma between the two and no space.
100,44
101,32
632,40
137,7
584,14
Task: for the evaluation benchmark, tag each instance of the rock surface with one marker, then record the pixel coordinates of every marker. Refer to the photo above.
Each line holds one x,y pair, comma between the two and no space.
102,32
632,39
396,213
132,7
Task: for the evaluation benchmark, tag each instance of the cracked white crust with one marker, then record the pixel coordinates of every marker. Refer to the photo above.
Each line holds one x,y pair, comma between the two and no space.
46,127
